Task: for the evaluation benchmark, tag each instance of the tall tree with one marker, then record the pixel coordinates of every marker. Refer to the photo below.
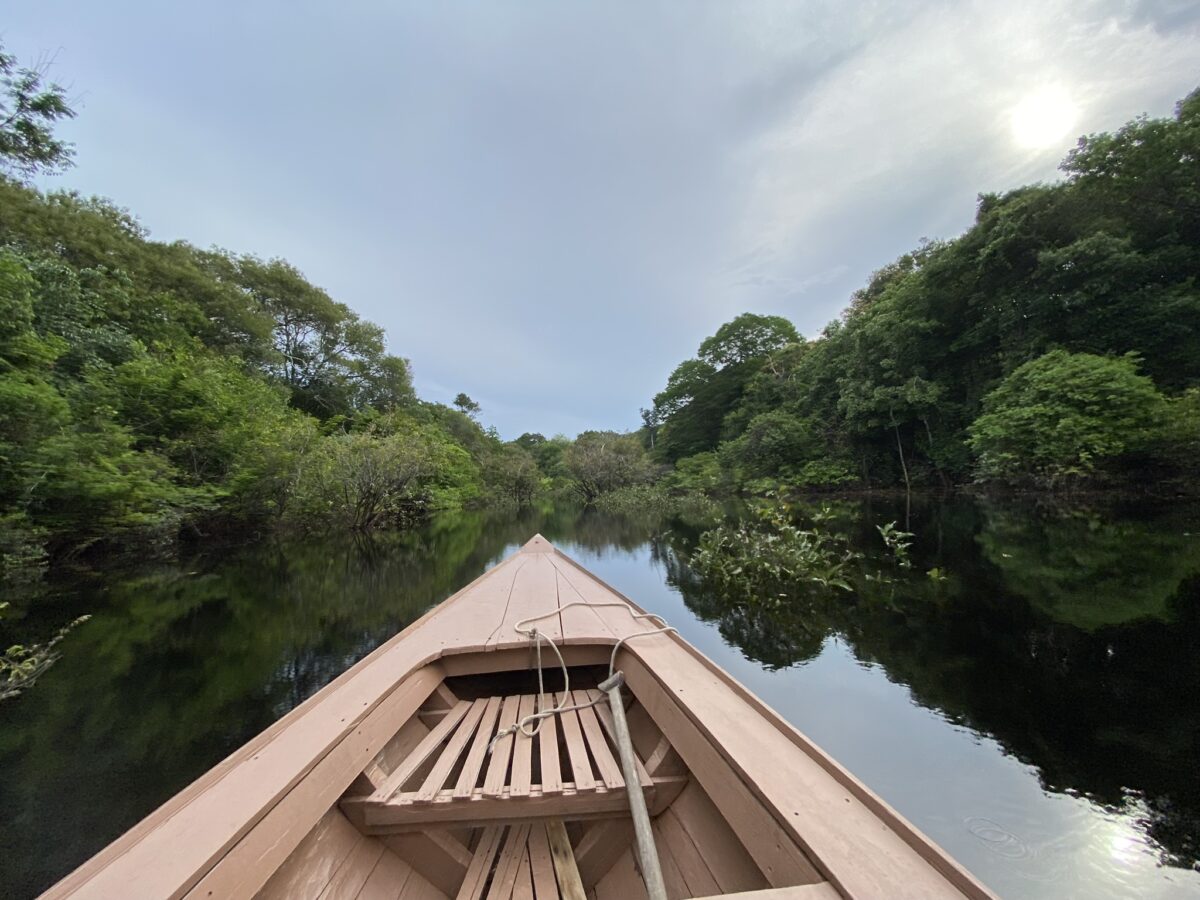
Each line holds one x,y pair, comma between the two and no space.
748,337
694,407
29,109
466,405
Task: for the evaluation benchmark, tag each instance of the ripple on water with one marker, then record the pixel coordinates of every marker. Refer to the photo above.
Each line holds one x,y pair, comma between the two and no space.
1087,851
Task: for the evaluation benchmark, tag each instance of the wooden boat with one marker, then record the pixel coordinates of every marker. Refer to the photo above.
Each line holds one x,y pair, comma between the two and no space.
382,784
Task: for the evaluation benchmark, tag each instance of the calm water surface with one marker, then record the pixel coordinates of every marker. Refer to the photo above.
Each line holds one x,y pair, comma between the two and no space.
1034,707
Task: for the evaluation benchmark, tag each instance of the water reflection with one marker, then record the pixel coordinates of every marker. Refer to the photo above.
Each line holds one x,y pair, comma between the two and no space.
1069,637
1053,666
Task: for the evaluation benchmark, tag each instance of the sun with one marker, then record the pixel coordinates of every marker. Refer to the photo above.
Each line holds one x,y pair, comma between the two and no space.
1043,118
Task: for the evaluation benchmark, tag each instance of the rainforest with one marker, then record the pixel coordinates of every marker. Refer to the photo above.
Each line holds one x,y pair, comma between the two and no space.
157,392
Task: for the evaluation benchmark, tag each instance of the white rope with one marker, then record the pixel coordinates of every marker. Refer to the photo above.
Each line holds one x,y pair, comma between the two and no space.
531,724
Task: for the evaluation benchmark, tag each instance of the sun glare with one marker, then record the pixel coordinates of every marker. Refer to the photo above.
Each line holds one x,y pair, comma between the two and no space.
1043,118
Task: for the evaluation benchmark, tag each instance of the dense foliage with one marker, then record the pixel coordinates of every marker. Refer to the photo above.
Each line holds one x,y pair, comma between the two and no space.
766,556
1059,415
146,387
1056,341
149,388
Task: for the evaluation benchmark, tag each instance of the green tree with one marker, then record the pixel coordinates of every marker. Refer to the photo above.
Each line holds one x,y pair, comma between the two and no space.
1063,416
695,407
748,337
602,461
512,473
332,361
29,109
466,405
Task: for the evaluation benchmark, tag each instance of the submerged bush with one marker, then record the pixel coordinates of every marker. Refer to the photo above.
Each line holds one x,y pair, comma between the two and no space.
20,665
643,498
603,461
770,553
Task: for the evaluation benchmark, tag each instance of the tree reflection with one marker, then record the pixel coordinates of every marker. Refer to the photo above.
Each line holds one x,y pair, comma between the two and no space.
1085,570
1070,638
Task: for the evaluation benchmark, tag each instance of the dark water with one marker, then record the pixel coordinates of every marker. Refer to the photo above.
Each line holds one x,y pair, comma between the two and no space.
1035,709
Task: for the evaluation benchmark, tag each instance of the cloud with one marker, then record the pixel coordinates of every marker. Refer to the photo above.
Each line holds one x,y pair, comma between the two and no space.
549,205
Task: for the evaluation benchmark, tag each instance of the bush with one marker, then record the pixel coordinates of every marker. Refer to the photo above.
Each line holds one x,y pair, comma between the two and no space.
775,443
823,473
367,480
602,461
700,473
1063,416
769,555
646,498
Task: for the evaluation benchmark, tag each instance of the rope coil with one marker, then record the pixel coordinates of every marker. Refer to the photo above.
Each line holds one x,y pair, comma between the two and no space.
531,724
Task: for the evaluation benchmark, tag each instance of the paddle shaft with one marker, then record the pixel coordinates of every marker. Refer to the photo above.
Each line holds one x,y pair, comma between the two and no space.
647,852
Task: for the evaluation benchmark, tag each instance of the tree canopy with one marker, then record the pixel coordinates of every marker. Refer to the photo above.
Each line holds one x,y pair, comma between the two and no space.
1076,274
29,109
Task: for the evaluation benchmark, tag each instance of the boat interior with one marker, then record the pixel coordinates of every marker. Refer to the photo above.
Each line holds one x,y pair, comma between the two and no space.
443,811
391,782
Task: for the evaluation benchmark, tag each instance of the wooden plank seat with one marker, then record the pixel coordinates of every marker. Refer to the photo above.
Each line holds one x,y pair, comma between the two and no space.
530,861
568,769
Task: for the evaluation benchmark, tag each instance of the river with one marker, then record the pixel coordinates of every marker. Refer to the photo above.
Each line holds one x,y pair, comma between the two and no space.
1027,693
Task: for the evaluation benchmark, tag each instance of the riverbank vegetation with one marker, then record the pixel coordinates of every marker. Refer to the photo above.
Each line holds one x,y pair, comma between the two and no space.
1055,344
151,390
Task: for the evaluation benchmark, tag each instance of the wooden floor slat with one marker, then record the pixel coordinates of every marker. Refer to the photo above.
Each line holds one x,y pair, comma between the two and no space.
497,770
469,776
522,754
541,866
423,751
353,873
436,779
548,752
508,863
581,768
523,887
387,880
606,764
481,864
569,885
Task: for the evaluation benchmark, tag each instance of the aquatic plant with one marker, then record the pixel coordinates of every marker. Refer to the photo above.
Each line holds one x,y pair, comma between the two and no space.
20,665
898,542
640,499
769,553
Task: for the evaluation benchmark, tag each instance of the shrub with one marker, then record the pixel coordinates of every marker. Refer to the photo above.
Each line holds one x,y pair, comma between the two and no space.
701,472
602,461
367,480
1063,416
769,553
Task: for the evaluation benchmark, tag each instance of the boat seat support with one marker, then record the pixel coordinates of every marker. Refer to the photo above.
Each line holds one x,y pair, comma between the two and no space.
568,769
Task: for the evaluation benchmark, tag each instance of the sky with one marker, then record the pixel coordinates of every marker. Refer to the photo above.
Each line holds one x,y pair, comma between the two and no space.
549,205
